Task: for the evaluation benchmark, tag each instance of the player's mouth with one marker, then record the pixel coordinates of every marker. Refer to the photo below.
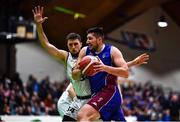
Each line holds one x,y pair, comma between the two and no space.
90,46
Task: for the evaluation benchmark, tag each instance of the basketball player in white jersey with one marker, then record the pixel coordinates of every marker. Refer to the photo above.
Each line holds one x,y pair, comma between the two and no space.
67,58
78,92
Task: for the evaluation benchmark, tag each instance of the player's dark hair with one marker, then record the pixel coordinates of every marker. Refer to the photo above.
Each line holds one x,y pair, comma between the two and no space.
73,36
98,31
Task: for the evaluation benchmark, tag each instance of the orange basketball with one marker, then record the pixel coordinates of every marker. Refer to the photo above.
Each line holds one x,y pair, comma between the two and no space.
86,65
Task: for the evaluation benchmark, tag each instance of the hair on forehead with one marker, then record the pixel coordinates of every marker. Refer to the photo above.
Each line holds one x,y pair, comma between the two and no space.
73,36
98,31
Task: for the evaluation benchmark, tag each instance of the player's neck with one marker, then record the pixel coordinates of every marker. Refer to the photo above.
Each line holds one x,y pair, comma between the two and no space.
74,55
100,49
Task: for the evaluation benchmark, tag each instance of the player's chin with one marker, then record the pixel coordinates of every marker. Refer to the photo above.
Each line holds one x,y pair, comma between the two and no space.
74,52
90,47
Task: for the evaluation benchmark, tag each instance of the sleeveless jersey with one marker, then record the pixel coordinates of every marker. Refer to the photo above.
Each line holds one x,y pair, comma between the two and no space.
82,88
99,80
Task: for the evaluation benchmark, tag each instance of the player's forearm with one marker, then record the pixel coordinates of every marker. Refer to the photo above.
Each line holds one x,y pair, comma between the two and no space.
131,63
76,73
42,37
117,71
71,92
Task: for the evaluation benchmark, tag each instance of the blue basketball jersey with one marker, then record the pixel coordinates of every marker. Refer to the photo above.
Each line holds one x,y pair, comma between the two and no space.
98,81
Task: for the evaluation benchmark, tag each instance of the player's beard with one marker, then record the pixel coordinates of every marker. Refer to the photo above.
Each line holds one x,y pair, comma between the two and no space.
92,47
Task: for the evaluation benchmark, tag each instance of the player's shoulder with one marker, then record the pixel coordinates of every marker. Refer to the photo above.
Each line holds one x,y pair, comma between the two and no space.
62,53
115,49
84,48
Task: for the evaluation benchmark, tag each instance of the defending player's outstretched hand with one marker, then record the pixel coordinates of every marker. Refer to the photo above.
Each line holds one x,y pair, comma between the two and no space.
142,59
38,15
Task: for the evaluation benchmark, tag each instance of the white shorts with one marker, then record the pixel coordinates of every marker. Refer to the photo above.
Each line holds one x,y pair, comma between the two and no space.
64,102
75,107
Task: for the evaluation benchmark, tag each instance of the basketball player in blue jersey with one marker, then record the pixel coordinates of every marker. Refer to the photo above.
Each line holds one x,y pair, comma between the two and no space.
106,100
79,91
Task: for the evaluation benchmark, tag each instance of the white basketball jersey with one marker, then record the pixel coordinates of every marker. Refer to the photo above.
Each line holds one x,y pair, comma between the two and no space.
82,88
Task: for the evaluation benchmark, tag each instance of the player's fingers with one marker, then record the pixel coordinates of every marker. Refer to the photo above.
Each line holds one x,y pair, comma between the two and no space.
42,10
146,56
33,12
97,69
96,66
39,9
142,55
44,19
36,10
97,63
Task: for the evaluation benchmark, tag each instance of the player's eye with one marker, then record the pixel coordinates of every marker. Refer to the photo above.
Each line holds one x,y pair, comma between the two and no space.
75,44
89,38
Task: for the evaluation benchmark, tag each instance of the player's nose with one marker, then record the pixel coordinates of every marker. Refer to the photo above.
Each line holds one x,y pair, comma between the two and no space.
73,46
87,41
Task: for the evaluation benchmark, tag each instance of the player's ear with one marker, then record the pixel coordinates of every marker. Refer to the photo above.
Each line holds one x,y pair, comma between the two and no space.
100,39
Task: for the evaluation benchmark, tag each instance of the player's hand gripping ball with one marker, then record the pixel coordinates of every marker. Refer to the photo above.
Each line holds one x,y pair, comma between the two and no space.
86,65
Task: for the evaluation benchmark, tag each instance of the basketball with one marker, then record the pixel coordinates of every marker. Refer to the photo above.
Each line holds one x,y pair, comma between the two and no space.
86,65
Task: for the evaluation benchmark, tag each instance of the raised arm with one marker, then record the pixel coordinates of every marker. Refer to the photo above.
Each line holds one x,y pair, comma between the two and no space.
39,19
142,59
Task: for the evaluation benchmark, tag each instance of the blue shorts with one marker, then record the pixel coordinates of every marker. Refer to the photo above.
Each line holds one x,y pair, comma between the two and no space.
108,103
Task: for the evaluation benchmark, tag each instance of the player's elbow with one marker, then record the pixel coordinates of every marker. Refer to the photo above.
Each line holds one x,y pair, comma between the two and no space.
126,74
123,73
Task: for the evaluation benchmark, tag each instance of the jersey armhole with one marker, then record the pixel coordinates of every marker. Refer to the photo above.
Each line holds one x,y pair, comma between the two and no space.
66,59
111,55
86,50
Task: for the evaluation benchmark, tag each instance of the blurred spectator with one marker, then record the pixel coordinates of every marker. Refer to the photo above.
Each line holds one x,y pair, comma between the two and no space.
16,79
36,98
147,102
174,107
1,99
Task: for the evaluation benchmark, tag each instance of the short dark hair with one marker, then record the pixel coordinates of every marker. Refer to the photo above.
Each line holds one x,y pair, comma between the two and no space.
98,31
73,36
